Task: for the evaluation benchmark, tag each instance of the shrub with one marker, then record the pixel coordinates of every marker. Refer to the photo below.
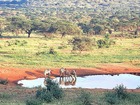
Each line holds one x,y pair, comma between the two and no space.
52,51
117,95
111,98
54,88
134,98
53,91
4,96
85,98
121,92
100,43
106,42
3,81
81,43
44,95
33,102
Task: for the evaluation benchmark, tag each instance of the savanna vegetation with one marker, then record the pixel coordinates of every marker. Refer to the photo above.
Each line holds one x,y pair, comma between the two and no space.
46,96
68,33
54,42
67,52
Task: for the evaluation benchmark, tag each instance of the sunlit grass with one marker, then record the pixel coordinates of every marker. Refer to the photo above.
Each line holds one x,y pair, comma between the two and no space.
33,52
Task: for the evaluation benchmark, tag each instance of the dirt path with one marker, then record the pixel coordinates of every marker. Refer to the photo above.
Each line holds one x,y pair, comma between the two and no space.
15,74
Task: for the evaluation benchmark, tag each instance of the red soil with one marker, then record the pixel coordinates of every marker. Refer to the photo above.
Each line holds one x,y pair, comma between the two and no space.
15,74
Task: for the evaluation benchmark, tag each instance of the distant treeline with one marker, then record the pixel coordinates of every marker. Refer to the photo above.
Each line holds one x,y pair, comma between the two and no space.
13,2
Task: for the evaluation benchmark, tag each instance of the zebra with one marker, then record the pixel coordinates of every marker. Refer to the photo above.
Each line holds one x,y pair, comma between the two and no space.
47,73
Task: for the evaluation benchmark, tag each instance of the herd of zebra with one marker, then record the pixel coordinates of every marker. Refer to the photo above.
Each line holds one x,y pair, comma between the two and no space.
66,77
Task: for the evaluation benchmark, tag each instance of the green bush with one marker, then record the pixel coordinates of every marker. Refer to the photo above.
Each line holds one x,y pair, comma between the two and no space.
134,98
121,92
84,98
50,93
54,88
111,98
101,43
44,95
33,102
81,43
117,95
4,96
106,42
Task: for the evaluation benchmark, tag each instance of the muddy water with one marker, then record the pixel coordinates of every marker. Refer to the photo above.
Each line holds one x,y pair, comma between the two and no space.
94,81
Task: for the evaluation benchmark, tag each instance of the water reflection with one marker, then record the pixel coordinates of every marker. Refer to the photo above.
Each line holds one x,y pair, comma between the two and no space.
63,81
94,81
67,81
67,78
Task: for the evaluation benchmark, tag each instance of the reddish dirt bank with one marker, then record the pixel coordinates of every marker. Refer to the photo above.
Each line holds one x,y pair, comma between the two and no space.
15,74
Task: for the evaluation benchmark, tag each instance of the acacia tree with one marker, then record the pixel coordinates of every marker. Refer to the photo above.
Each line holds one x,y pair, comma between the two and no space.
27,25
15,24
47,28
65,27
31,25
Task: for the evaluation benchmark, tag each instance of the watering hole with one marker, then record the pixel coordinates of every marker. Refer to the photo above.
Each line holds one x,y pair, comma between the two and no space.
93,81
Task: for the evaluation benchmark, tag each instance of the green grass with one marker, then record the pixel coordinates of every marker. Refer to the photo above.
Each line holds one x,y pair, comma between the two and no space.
4,96
19,96
33,53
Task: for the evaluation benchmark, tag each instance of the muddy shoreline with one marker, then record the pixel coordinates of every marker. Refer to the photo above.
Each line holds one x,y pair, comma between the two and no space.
13,75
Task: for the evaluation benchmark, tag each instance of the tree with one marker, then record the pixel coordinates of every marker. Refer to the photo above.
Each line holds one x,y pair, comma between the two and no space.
47,28
65,27
113,22
98,29
31,25
15,24
2,25
84,27
21,23
95,21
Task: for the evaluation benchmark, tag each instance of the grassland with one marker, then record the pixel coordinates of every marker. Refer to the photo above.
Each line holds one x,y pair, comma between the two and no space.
19,95
22,52
34,52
